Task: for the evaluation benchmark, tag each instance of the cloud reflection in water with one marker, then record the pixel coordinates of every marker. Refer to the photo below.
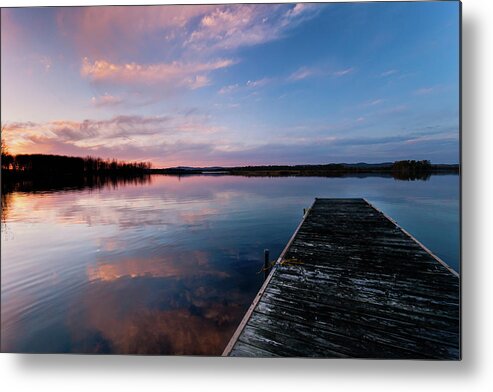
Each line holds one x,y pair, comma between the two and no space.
170,266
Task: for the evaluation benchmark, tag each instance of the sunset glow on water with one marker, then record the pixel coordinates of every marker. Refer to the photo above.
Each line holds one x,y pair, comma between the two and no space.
171,266
105,250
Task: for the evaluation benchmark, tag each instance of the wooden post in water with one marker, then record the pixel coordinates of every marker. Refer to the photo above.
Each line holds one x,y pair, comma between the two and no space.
360,287
266,263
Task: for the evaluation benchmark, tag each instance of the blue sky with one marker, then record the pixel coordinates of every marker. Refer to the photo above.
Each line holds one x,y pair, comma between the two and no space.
234,84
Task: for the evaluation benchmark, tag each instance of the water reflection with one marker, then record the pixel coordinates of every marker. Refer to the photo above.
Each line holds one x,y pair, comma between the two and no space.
156,307
189,323
58,183
169,266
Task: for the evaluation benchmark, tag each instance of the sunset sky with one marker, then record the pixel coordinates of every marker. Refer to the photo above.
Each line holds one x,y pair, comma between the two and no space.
234,84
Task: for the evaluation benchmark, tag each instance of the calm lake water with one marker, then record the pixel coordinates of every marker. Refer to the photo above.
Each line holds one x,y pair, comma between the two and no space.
170,267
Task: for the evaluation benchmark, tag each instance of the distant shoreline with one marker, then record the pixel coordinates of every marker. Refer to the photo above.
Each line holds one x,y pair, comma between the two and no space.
157,172
399,169
48,172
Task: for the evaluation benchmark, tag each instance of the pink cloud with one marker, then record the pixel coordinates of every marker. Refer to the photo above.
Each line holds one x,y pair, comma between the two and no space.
123,132
11,32
230,27
106,100
229,89
250,84
191,75
198,81
116,30
298,9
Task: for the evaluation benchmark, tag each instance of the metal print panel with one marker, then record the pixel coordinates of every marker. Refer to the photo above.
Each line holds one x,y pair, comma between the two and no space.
262,180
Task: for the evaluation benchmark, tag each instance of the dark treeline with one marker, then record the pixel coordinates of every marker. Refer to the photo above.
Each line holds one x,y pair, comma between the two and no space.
50,165
40,172
412,170
402,170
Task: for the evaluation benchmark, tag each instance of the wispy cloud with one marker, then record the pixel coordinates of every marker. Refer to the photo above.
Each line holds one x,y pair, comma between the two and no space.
308,72
169,140
129,57
198,81
121,130
106,100
229,89
117,31
299,9
258,83
234,26
302,73
388,72
343,72
191,75
447,136
373,102
249,84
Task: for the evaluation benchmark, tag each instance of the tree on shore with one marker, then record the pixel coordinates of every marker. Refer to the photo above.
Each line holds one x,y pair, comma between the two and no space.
5,157
46,165
61,165
411,169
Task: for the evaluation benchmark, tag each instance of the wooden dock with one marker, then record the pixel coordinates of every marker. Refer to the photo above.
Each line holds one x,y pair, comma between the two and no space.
352,284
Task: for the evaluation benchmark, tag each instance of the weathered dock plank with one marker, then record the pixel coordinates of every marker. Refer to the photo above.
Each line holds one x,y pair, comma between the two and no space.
352,284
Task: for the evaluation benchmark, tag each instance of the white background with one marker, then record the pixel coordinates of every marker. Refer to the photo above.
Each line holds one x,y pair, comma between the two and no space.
473,373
